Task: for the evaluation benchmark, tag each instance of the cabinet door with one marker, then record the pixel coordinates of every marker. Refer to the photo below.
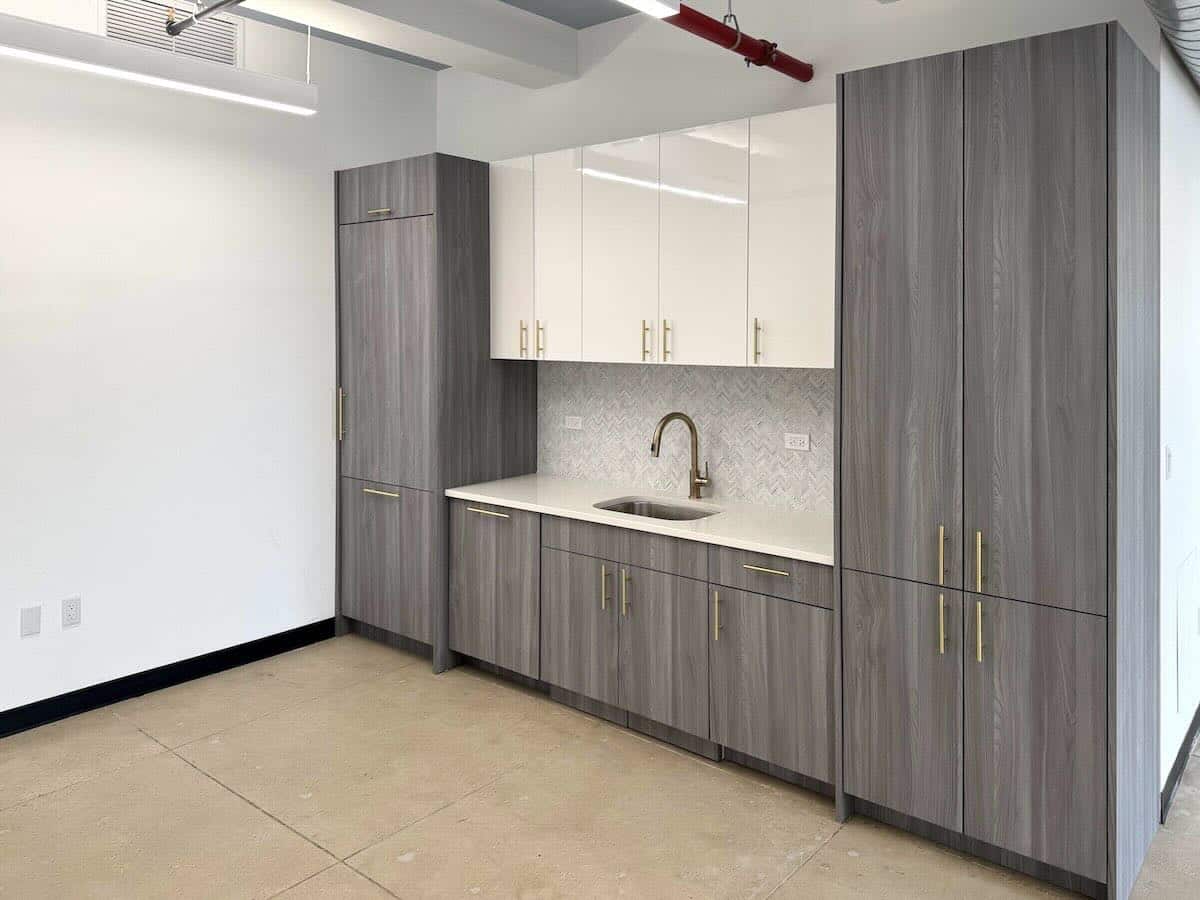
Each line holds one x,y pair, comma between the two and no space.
579,624
1035,426
902,660
793,237
1035,738
558,255
511,228
391,190
387,571
388,295
620,251
664,648
902,320
772,671
702,244
494,566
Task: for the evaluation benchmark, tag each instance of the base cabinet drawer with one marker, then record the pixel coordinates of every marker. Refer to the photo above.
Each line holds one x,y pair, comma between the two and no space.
772,673
775,576
494,585
579,624
388,573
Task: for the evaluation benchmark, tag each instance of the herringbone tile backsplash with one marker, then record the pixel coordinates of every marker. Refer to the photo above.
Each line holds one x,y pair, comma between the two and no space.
742,415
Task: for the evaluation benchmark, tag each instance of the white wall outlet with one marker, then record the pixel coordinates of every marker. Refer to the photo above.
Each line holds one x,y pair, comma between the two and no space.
72,612
573,423
31,621
796,442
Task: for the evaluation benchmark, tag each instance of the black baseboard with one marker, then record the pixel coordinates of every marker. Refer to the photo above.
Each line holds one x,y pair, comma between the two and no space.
52,709
1181,761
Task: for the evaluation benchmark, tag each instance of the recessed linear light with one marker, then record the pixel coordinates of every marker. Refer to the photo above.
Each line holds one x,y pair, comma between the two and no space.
660,9
80,51
669,188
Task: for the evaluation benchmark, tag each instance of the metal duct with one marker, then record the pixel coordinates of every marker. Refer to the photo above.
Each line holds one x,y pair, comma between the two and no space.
1180,21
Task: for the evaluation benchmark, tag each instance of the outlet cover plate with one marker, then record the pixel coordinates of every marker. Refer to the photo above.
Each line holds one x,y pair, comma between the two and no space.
31,621
72,612
573,423
796,442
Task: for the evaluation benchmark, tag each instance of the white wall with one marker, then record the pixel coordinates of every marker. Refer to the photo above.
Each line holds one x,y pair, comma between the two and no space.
641,76
1180,619
167,357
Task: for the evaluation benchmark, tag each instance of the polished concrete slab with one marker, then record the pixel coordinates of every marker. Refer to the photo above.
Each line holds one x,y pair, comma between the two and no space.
347,770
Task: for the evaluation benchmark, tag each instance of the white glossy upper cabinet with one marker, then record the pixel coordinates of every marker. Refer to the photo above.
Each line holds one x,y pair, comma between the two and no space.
558,255
620,251
511,224
703,194
793,231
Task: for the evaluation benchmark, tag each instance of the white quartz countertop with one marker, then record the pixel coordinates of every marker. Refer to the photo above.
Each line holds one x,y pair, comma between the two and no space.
806,536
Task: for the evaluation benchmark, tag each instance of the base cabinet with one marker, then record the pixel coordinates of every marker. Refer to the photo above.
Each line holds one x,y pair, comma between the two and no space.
772,663
387,571
579,625
1035,758
494,585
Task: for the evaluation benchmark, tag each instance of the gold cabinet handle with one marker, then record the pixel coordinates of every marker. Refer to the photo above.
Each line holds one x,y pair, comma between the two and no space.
666,330
523,339
603,587
978,631
764,571
942,624
757,350
941,554
979,562
716,615
381,211
487,512
394,496
645,331
624,595
539,348
341,414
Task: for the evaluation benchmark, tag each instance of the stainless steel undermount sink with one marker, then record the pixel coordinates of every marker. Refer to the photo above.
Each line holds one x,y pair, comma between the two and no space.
657,509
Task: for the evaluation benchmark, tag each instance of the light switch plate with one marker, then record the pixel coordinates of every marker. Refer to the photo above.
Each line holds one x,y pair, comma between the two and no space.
31,621
573,423
72,612
796,442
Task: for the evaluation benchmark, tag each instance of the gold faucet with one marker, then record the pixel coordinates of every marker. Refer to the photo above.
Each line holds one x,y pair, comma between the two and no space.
697,480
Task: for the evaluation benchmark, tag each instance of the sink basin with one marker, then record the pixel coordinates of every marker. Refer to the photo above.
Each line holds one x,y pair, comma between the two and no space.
657,509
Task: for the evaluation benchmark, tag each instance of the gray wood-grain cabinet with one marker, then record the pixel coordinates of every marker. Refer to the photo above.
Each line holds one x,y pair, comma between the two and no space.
421,404
580,637
495,557
771,680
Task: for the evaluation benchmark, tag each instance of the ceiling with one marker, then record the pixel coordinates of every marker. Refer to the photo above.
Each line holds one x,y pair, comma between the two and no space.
574,13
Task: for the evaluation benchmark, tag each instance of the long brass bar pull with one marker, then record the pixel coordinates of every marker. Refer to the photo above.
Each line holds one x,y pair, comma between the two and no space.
341,414
765,571
539,341
603,587
523,339
645,349
941,554
666,330
757,350
624,596
381,211
716,615
978,631
487,512
394,496
942,624
979,562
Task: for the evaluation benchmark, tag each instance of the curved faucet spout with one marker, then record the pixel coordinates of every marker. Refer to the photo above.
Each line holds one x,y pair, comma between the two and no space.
697,480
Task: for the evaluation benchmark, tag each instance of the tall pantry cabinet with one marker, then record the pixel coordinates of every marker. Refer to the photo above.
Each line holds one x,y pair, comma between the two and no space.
421,406
998,461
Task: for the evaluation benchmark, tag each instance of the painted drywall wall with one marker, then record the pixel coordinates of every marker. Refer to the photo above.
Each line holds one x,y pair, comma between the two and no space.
640,76
167,356
1180,614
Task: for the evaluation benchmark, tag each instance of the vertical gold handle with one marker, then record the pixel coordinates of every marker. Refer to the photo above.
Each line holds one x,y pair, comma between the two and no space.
978,631
942,624
539,339
624,598
524,339
645,331
757,351
603,587
716,615
979,562
941,554
666,330
341,414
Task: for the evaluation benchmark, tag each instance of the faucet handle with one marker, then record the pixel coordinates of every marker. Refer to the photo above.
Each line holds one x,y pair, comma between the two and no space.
703,480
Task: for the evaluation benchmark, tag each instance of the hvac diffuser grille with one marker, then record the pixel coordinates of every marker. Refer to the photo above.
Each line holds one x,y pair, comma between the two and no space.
216,38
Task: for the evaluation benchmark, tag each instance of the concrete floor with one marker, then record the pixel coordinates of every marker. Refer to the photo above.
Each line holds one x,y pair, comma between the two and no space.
347,770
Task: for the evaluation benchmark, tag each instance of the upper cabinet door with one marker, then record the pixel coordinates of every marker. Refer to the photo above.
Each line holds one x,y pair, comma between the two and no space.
512,258
391,190
620,257
558,255
793,238
1036,319
902,320
702,250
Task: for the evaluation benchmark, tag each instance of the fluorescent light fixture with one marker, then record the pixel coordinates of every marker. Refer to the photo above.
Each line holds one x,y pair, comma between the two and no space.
660,9
669,188
80,51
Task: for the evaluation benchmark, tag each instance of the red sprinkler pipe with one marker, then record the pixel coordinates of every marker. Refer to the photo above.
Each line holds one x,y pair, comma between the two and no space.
756,51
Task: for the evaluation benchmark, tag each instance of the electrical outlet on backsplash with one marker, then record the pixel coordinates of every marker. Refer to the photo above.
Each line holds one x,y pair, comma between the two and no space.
742,415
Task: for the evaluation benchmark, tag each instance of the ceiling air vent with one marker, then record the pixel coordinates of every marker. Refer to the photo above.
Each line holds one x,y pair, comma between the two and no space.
216,38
